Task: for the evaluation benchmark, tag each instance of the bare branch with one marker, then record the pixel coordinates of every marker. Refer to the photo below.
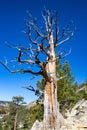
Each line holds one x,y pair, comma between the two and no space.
6,62
20,49
27,61
61,77
11,46
24,61
44,50
49,21
66,54
33,23
30,37
19,58
61,42
66,34
37,44
38,32
24,50
80,89
5,66
21,70
30,88
57,29
46,23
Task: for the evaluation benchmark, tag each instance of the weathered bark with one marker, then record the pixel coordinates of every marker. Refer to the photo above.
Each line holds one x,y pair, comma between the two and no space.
51,110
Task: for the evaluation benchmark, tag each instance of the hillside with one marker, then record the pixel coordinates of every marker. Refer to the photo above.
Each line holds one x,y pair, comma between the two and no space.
4,103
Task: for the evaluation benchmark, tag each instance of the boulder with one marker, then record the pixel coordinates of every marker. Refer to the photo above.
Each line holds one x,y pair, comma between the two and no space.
37,125
77,118
79,113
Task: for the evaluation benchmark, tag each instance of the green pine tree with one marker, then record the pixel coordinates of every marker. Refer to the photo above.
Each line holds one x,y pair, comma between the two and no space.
66,87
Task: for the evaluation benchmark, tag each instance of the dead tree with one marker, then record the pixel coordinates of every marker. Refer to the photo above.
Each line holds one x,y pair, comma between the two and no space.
43,53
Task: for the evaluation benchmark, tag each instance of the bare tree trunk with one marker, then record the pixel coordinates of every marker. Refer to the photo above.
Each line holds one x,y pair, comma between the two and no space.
51,110
15,120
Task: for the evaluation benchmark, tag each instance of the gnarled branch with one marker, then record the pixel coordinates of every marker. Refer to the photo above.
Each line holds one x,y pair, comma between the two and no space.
24,61
21,70
36,91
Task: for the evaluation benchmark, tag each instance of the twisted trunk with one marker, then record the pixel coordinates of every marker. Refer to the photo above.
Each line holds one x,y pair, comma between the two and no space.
51,110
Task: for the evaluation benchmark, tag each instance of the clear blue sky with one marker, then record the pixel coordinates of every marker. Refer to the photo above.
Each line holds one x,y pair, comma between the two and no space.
12,15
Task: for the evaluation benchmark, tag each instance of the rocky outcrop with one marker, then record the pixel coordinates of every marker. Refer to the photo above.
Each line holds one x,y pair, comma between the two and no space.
37,125
76,119
32,104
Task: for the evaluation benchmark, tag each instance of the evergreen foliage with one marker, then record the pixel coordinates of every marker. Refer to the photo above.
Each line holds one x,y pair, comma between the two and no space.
25,119
67,96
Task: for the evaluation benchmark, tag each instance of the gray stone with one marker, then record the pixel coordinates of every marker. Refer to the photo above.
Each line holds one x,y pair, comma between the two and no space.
37,125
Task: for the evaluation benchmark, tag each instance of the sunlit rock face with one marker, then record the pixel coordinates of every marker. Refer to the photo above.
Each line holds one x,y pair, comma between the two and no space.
77,118
37,125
